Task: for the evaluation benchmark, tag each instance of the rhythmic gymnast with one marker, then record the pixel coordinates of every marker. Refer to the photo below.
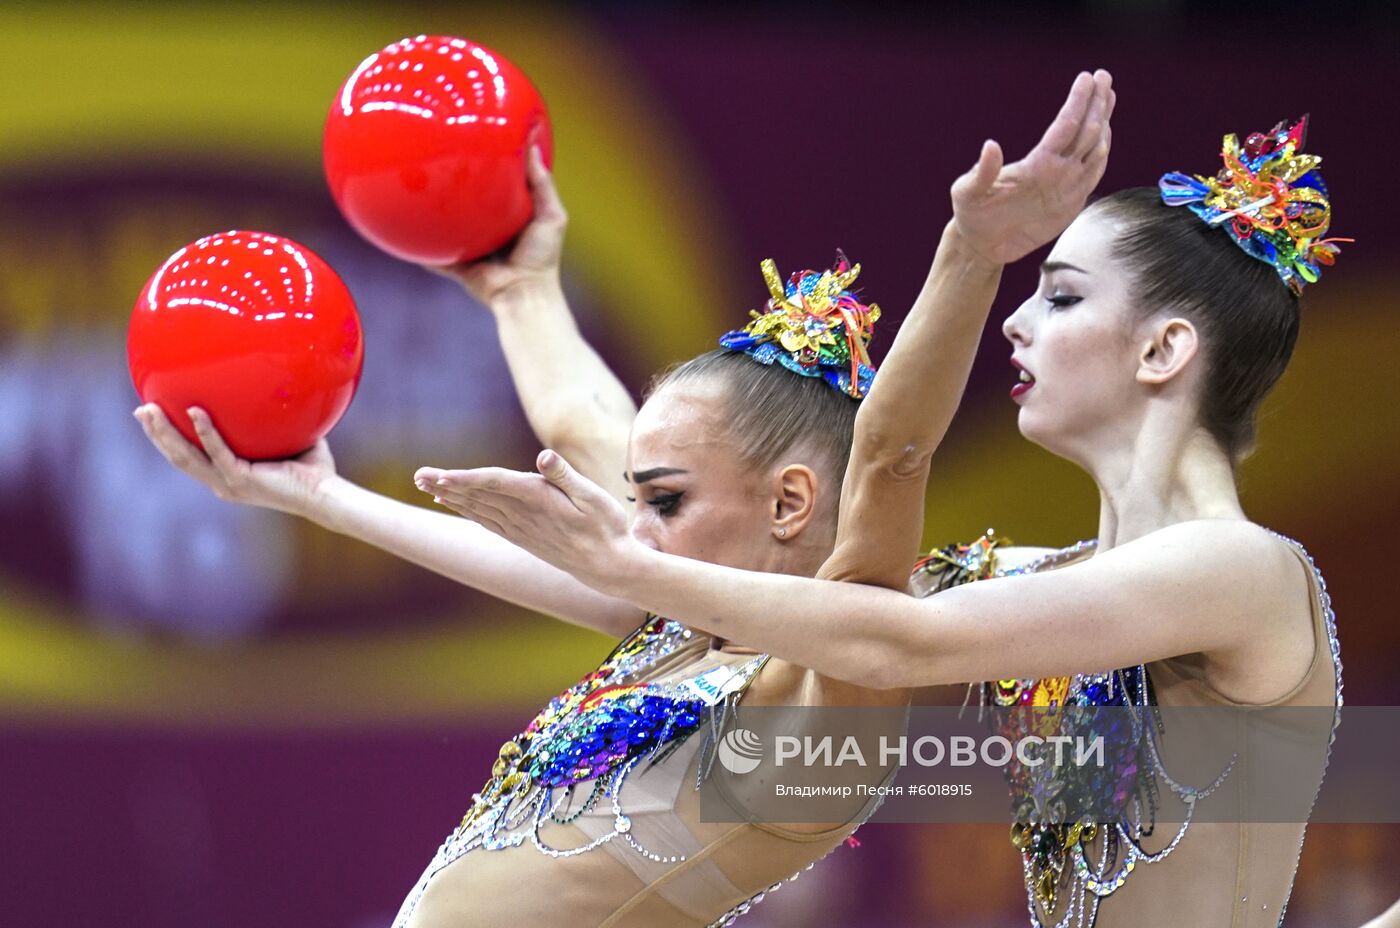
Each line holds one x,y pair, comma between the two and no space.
1163,317
730,459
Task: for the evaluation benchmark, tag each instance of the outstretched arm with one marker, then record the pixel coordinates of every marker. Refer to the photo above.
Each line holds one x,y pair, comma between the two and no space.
904,418
1215,587
570,396
573,400
1000,213
858,633
1186,589
308,486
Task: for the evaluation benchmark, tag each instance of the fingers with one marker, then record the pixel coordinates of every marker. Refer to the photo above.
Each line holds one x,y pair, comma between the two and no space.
546,226
471,509
173,446
438,484
1059,137
988,166
223,459
486,479
1106,138
539,246
444,492
1091,129
431,480
472,506
548,206
579,489
467,504
514,501
423,477
501,487
978,181
1097,160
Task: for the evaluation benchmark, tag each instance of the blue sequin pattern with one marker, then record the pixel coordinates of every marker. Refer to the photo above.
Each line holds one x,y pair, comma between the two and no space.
578,751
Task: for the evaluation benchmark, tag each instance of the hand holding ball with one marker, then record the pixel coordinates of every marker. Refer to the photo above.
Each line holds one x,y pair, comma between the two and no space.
256,329
425,149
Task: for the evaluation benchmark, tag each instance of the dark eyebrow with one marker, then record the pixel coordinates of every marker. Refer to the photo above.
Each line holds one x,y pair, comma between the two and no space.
645,476
1050,267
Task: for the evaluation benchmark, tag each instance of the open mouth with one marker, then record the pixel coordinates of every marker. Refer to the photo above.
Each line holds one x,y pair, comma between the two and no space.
1025,382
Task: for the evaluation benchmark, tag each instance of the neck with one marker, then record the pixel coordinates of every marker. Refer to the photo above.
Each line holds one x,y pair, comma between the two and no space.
1161,477
801,557
805,560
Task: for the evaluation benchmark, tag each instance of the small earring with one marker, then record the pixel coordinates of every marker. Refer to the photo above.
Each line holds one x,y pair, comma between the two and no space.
782,533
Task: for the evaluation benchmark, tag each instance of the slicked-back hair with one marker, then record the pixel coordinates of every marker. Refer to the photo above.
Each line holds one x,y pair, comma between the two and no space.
1247,316
774,412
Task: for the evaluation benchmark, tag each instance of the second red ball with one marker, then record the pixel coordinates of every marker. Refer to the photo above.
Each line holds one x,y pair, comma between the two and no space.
425,149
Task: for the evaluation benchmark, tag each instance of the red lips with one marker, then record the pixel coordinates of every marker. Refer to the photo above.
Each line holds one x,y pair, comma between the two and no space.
1025,385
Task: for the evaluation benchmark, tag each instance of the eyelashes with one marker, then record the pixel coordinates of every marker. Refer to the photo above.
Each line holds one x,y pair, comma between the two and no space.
663,503
1063,300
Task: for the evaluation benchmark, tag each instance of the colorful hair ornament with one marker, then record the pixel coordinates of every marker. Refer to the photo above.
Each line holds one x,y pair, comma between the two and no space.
1270,198
815,327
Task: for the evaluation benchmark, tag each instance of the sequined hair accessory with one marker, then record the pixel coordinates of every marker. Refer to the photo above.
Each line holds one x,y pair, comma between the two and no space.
814,326
1270,198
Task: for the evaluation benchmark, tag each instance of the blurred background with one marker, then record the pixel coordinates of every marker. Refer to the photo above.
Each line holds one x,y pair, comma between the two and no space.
222,717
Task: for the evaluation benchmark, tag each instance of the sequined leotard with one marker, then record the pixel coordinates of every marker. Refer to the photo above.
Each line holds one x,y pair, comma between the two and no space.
592,814
1227,873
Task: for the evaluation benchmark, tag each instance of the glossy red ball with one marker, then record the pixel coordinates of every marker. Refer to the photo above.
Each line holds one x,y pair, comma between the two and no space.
425,149
257,330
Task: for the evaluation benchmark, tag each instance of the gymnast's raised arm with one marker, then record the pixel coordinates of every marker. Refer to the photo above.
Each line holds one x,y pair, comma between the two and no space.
1000,214
573,400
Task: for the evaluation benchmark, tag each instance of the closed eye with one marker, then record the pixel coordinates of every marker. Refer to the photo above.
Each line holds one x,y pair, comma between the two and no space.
1063,300
665,503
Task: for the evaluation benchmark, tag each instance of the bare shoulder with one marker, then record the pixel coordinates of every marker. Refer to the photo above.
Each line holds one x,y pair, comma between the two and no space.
1230,568
1232,546
1245,578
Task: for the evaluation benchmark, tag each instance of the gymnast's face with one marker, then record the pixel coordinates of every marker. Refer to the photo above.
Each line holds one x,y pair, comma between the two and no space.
1074,344
695,496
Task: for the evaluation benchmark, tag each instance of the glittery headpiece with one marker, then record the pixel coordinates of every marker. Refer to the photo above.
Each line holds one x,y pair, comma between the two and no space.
815,327
1270,198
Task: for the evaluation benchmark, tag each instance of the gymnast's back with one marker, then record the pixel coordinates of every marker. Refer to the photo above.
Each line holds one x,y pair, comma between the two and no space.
592,815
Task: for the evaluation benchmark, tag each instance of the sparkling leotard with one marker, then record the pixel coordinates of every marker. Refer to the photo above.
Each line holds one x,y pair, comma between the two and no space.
1235,873
592,814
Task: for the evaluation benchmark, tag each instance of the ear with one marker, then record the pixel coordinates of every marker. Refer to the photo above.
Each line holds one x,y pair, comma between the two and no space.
1167,348
794,500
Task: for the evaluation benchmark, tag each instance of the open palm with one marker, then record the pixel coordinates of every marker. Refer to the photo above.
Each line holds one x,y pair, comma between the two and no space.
287,486
1007,211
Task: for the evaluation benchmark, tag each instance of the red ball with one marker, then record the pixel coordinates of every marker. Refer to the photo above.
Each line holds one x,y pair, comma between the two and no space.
257,330
425,149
